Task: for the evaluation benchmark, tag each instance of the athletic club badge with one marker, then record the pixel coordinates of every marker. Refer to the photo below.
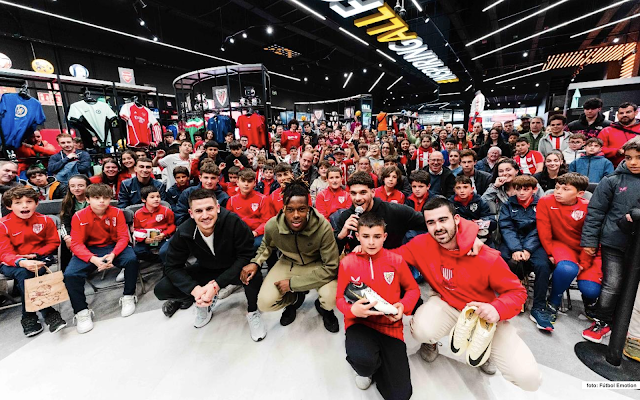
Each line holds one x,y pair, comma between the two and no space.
107,221
254,206
577,215
37,228
159,217
388,276
473,207
341,199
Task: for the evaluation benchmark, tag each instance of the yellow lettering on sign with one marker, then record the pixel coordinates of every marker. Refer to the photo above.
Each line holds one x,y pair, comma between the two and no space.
394,23
398,34
384,13
449,81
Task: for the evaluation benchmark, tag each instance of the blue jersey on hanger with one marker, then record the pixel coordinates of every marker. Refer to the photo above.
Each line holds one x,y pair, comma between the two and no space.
19,117
220,125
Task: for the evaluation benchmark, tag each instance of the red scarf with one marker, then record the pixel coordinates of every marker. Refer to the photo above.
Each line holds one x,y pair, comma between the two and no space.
527,203
464,202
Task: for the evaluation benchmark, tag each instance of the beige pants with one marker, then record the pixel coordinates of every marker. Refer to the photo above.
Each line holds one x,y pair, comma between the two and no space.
435,319
270,299
634,326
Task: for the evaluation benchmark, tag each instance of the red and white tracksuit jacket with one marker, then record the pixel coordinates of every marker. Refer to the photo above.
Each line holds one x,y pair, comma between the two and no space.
329,201
36,235
254,209
396,196
87,229
162,219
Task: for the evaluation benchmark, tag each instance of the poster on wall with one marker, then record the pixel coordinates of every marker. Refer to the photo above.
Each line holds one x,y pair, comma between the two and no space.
348,112
220,97
127,76
318,115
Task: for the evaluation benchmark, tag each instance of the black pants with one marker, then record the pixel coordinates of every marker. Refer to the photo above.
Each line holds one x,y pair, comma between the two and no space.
612,279
381,357
165,290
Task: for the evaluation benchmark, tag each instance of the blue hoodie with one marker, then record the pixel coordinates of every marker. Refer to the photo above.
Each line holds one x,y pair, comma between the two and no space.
594,167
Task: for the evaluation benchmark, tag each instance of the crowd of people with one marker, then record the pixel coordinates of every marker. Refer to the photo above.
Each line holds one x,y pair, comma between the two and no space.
473,214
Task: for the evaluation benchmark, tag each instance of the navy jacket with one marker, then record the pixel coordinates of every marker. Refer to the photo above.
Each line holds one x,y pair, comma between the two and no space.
130,191
476,209
518,226
173,194
594,167
614,196
59,160
260,187
181,210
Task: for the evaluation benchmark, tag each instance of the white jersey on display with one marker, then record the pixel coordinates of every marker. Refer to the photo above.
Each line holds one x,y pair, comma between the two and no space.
96,115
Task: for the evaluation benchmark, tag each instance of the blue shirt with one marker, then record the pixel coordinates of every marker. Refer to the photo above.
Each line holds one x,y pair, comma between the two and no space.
19,117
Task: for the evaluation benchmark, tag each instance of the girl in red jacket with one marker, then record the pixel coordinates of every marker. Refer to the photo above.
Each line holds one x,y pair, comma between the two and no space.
374,341
390,177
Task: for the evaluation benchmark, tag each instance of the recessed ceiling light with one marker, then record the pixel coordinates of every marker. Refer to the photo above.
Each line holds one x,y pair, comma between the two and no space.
222,48
513,87
491,90
232,40
364,70
345,74
305,79
498,104
537,84
141,22
380,65
244,35
526,53
269,30
326,78
616,40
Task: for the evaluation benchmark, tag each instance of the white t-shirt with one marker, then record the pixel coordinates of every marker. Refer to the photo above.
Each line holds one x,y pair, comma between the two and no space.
169,163
96,114
208,240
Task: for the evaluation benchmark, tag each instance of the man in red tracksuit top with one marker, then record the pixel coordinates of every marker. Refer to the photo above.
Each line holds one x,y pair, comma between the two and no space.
27,241
559,219
153,216
461,280
374,342
618,133
254,209
334,197
99,240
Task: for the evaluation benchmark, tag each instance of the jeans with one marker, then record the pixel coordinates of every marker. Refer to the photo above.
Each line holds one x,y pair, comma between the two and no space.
19,274
612,279
564,273
70,169
144,251
78,270
541,267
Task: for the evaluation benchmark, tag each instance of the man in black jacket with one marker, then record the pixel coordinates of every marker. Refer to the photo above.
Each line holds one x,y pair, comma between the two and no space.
591,121
480,180
222,245
305,168
442,179
130,189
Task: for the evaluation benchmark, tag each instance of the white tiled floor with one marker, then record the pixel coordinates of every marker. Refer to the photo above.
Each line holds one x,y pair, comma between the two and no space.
148,356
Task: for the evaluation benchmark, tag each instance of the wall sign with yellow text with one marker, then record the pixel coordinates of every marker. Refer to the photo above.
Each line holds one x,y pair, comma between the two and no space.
388,27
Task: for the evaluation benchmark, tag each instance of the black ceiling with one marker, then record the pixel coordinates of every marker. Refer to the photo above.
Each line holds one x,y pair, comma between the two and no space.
326,53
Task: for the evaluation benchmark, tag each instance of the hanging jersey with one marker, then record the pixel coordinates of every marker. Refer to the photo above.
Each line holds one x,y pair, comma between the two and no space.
19,117
142,126
193,126
254,128
220,125
93,120
174,130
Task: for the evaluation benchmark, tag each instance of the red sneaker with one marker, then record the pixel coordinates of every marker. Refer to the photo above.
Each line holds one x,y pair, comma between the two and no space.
598,331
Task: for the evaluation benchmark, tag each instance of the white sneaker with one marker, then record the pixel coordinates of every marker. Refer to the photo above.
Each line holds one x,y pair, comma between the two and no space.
363,382
128,304
256,327
204,314
83,321
463,330
120,277
227,291
479,348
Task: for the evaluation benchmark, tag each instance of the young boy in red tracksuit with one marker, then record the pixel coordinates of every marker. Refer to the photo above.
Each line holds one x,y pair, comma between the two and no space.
99,240
334,197
27,242
420,183
267,184
374,342
391,180
231,186
254,209
152,216
560,218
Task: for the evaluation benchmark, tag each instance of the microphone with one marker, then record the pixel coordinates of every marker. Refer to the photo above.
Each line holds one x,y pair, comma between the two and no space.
359,210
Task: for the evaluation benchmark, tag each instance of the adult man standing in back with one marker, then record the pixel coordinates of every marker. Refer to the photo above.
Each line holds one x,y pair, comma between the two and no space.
591,121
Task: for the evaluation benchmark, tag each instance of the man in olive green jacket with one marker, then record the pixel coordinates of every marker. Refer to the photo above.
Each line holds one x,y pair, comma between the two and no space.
309,259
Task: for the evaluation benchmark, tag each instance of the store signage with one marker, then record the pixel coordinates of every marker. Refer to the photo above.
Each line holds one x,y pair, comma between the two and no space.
127,76
220,97
47,98
390,28
5,61
282,51
41,65
79,71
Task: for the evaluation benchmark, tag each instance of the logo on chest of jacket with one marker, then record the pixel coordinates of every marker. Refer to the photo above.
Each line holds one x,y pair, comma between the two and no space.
37,228
473,207
577,215
159,217
341,199
388,276
447,273
254,206
21,111
623,189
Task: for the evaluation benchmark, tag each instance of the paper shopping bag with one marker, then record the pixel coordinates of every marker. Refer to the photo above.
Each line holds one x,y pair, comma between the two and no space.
44,291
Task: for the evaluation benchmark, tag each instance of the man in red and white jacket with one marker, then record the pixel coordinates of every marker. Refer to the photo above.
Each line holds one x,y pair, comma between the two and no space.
461,280
253,208
156,218
334,197
618,133
99,240
530,161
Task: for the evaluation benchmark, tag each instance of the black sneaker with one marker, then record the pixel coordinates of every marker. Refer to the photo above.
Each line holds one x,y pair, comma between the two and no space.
170,307
289,313
54,321
328,318
31,325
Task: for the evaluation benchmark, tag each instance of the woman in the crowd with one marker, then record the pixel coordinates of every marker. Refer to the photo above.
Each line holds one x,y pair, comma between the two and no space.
74,200
128,162
495,140
404,156
463,141
387,149
554,166
182,135
109,176
454,162
209,136
500,190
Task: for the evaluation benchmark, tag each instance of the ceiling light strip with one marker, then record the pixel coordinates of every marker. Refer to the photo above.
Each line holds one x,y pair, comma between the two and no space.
449,94
605,25
376,82
317,14
293,78
415,3
443,106
353,36
522,76
512,72
347,81
490,6
386,55
396,81
551,29
518,22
